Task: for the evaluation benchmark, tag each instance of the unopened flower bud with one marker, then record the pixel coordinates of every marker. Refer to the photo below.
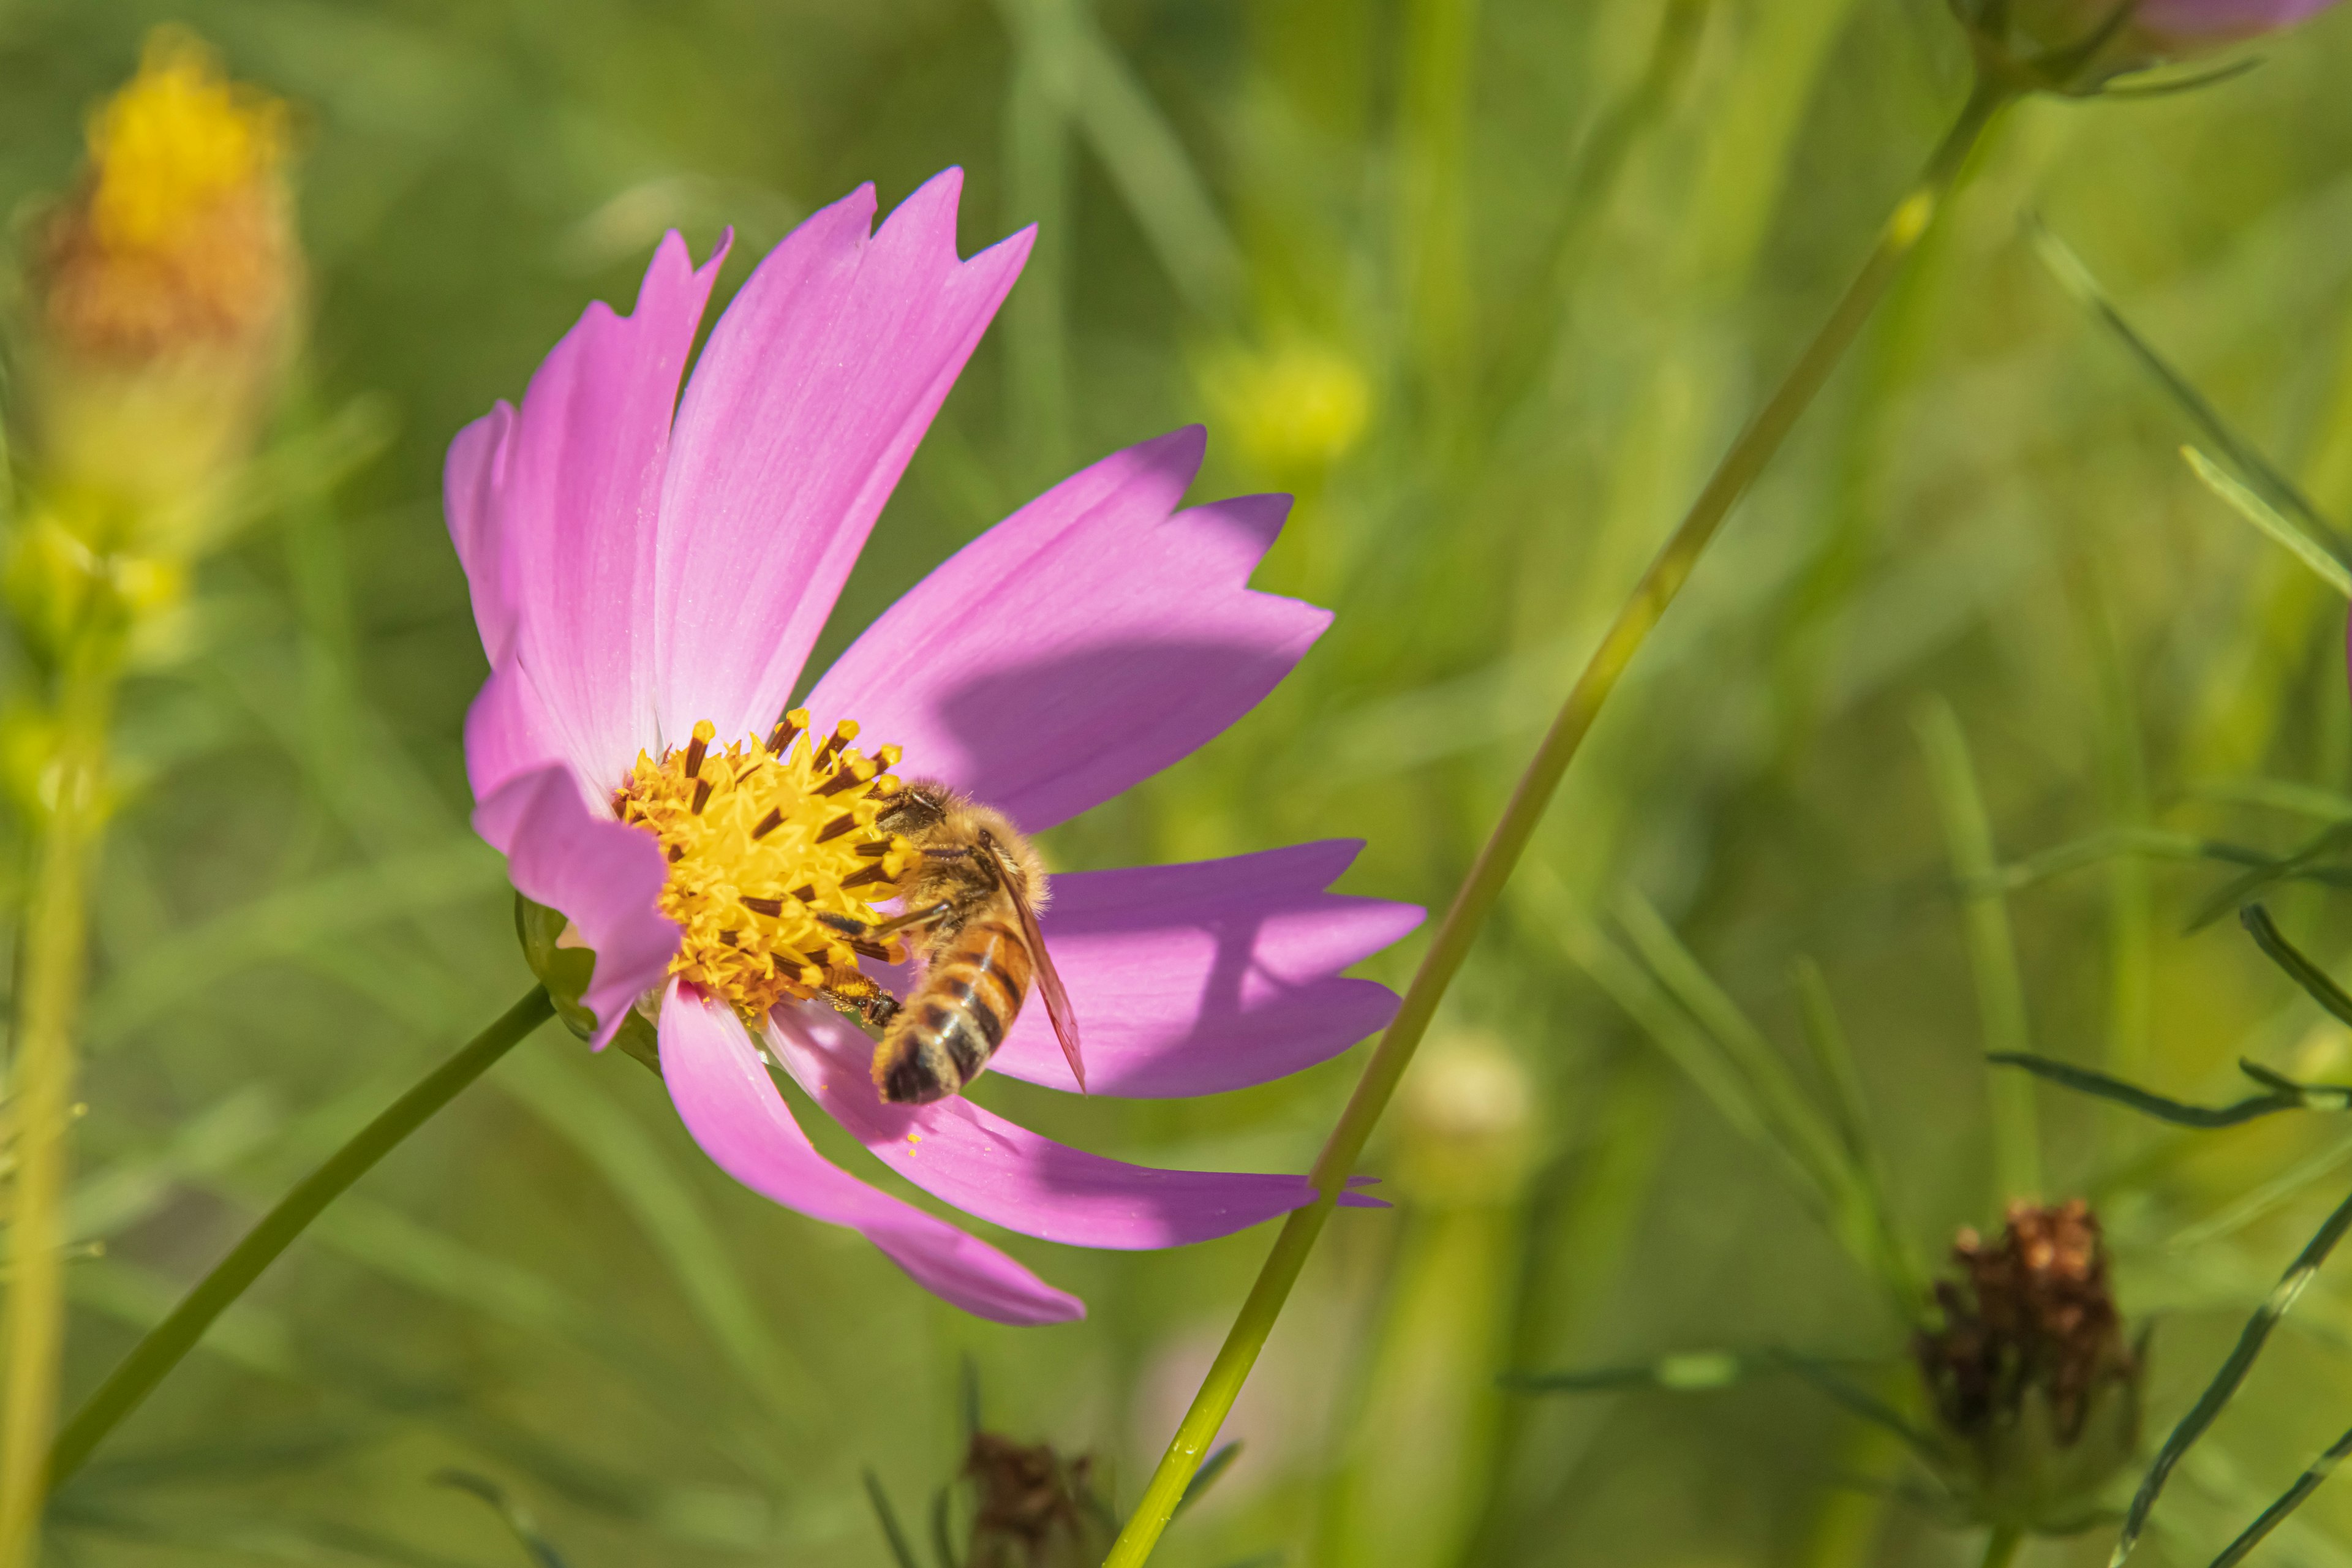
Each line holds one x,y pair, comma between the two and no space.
1295,409
162,299
1464,1125
2036,1393
1035,1509
2074,46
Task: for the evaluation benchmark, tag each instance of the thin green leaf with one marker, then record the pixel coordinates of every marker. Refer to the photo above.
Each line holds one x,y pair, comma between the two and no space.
1215,1465
2313,553
2241,1362
968,1405
2314,980
2094,848
2195,81
2087,1080
672,1218
518,1520
1833,1056
2266,480
2263,1200
1788,1112
901,1550
1708,1372
1633,988
2274,1515
942,1536
2302,865
1992,948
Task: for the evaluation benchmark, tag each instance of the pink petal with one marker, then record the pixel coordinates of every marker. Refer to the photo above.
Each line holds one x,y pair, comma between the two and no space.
604,877
574,510
1083,644
1214,976
469,482
728,1102
507,732
802,411
1008,1175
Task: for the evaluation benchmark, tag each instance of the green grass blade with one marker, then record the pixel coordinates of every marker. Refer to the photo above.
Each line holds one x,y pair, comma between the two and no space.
1788,1114
1833,1058
1215,1465
1638,993
1992,949
2313,553
620,1150
902,1551
2263,1200
943,1543
2234,1370
1164,193
2274,1515
2279,490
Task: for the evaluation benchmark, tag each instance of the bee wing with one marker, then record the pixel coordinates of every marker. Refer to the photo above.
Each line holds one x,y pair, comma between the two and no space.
1049,985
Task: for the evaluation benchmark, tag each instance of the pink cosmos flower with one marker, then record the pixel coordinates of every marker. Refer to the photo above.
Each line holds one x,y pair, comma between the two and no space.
648,572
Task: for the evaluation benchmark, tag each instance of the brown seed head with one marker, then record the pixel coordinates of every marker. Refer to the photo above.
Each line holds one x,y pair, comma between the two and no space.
2031,1311
1035,1509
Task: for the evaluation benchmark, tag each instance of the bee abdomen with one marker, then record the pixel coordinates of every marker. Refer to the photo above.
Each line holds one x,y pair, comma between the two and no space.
942,1038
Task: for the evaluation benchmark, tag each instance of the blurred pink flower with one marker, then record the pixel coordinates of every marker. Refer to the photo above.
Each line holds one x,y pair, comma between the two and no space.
2161,28
643,562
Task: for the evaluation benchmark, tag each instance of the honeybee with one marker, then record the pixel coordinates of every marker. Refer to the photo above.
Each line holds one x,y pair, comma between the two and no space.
970,915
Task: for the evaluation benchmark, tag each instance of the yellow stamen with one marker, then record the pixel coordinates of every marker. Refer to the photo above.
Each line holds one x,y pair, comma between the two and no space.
761,847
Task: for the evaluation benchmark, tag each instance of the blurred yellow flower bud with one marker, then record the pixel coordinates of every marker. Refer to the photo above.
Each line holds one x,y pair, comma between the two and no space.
1464,1124
1295,409
163,295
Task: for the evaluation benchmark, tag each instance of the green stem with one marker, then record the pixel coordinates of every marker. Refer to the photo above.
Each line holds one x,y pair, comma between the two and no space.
154,1357
1640,613
2000,1546
42,1075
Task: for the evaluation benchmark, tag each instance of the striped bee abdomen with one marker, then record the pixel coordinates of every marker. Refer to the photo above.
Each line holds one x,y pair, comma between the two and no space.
943,1036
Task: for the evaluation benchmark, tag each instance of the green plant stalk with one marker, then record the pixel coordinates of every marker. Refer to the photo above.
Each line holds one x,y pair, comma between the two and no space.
48,1008
1634,621
155,1356
2000,1546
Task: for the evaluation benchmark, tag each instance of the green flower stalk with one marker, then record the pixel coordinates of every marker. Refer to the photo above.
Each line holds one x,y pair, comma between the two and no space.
161,297
1904,227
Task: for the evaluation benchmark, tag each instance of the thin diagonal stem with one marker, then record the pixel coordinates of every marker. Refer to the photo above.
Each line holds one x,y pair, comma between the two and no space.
2233,1372
154,1357
1635,619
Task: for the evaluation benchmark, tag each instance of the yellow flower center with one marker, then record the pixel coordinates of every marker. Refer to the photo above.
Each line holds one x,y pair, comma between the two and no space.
765,839
173,143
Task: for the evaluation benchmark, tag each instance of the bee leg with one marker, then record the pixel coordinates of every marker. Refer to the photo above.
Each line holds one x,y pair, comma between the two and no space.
877,931
855,995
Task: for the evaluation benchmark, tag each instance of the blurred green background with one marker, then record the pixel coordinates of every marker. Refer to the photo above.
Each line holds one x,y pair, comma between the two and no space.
1488,284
